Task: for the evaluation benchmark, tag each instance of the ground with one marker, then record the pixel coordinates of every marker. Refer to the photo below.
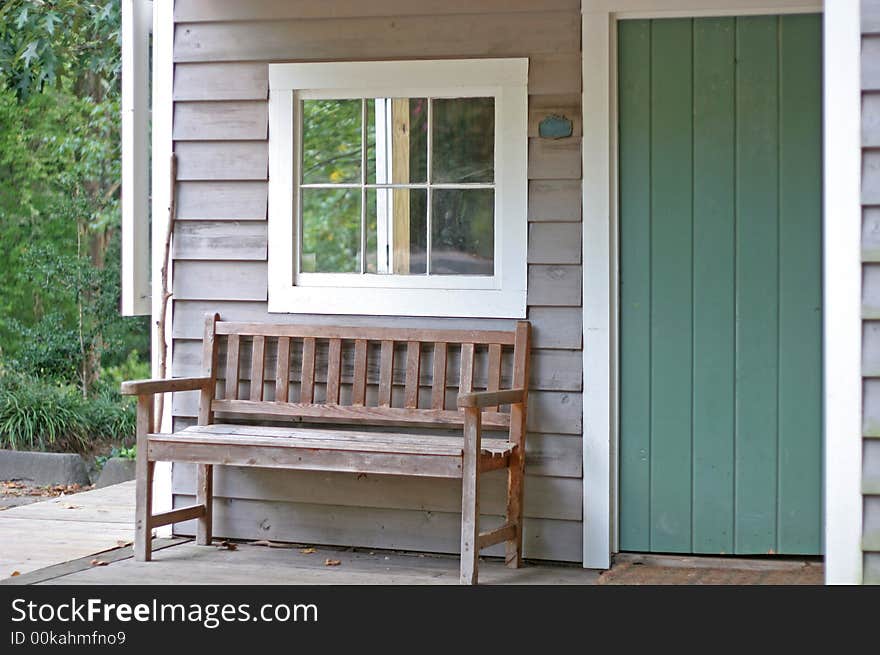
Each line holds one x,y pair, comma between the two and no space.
85,539
14,493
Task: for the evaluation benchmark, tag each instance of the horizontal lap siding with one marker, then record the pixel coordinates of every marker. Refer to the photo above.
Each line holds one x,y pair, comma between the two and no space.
221,128
871,288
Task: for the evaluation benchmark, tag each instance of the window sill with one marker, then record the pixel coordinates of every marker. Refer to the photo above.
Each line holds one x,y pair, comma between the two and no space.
475,303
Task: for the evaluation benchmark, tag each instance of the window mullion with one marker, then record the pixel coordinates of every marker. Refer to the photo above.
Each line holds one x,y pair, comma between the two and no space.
429,193
363,186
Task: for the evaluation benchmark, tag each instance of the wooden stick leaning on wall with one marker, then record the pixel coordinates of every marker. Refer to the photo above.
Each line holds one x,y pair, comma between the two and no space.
166,292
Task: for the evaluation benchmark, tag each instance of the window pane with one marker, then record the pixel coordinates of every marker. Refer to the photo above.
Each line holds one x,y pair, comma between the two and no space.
331,141
462,232
397,140
463,140
331,241
397,231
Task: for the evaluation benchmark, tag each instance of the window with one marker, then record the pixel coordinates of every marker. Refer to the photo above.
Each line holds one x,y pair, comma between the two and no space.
398,188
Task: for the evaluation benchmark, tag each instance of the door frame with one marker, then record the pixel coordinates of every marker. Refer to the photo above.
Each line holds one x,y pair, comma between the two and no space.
841,266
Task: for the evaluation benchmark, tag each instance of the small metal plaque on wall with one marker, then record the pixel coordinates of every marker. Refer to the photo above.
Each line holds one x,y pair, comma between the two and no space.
554,127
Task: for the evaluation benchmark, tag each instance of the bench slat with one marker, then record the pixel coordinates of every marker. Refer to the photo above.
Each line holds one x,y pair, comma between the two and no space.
334,370
352,445
386,369
232,367
352,413
411,383
258,363
359,384
438,388
433,466
494,382
307,376
466,380
248,431
282,370
370,333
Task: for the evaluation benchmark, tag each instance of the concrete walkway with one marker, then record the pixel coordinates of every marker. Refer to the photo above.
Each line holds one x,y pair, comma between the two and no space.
66,528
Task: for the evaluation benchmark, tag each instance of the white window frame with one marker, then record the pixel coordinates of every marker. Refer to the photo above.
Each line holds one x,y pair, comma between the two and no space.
502,295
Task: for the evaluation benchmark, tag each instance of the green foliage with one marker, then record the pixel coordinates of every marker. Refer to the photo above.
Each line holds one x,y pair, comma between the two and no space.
43,42
60,329
38,414
117,451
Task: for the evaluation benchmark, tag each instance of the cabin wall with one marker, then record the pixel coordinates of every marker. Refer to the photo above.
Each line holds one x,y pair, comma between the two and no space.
871,288
220,131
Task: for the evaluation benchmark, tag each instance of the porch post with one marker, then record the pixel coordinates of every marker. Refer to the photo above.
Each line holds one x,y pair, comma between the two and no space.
842,293
598,303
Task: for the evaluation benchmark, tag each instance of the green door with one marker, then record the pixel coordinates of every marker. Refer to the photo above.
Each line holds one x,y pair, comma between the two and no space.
720,285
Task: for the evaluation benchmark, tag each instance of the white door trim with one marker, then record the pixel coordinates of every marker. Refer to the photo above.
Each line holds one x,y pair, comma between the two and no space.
842,296
600,246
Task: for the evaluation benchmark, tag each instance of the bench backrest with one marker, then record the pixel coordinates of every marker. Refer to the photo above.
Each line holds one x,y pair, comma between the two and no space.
348,374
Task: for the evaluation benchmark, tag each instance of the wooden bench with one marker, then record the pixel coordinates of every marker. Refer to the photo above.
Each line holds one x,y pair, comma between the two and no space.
369,394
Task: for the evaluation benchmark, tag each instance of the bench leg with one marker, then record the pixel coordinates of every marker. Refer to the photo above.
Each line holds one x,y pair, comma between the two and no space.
143,494
515,477
470,498
143,509
205,496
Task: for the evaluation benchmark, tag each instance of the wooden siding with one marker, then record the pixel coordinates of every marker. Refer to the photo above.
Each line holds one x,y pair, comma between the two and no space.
871,289
222,48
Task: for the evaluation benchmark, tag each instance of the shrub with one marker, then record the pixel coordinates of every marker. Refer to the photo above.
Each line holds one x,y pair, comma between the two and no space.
38,415
122,453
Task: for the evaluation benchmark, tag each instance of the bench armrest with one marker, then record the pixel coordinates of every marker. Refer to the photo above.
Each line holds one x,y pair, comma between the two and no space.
491,398
146,387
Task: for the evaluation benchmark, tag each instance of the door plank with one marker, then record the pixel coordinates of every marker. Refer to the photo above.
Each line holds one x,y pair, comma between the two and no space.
800,295
757,284
635,282
671,279
714,248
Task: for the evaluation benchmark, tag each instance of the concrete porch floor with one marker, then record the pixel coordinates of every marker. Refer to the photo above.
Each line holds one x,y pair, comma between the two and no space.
83,540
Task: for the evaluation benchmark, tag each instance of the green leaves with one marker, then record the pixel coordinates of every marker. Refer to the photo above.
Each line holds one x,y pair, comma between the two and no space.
45,41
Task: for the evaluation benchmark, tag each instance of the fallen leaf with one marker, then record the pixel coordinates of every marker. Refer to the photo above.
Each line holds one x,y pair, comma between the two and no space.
14,573
70,506
332,562
123,544
307,551
99,562
227,545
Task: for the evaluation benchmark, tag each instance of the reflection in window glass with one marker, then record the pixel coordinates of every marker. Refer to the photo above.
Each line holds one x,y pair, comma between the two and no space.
331,226
397,140
462,232
393,224
463,140
397,231
331,141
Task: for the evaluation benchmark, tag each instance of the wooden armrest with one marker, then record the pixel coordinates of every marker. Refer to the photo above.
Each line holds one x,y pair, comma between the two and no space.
145,387
491,398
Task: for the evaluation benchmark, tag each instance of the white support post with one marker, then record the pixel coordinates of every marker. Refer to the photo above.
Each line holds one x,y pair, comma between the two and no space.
842,291
163,71
136,28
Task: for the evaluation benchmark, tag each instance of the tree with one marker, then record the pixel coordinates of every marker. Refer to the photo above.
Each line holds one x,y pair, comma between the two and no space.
59,185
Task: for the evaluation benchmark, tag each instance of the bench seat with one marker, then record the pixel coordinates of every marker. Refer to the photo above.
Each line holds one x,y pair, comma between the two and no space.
324,449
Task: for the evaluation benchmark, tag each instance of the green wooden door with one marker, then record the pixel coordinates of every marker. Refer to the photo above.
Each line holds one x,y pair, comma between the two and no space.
720,285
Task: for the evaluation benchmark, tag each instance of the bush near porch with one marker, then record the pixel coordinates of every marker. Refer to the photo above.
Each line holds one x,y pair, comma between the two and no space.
64,348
